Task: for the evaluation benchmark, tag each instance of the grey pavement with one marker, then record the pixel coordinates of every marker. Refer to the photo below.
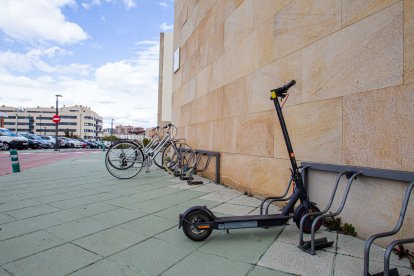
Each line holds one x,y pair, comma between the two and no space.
73,218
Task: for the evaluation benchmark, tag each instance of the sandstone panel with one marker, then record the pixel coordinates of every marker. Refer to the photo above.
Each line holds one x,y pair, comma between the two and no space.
302,22
238,25
269,176
365,56
234,100
408,41
371,136
355,10
256,133
404,125
272,76
236,170
315,131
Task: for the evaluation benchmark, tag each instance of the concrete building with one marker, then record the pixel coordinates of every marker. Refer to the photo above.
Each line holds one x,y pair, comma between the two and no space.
165,79
353,62
77,120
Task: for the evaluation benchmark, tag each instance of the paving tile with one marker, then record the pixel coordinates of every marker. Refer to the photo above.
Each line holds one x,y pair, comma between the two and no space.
26,245
200,202
348,265
291,235
149,225
4,218
245,245
171,213
353,246
105,268
119,215
177,236
32,211
15,228
110,241
150,206
9,206
263,271
152,256
206,264
60,260
52,219
3,272
92,209
220,197
291,259
181,197
246,201
232,209
76,229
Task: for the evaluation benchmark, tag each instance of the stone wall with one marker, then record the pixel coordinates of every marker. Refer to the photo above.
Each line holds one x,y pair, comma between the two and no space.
353,61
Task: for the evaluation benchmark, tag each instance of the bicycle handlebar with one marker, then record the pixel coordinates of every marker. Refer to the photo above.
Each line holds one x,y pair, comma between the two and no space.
168,126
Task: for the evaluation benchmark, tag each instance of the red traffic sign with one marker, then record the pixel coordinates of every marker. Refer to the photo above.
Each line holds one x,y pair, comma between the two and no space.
56,118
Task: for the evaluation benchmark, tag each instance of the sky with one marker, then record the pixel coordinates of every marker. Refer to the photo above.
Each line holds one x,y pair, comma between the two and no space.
103,54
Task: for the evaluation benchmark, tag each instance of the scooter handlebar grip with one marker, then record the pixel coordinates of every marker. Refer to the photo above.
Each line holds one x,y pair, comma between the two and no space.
289,85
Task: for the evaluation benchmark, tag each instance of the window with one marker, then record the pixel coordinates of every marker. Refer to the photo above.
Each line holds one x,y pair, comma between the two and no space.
68,117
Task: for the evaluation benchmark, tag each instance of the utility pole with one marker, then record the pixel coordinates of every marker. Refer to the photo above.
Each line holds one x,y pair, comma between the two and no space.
17,121
57,124
112,128
40,128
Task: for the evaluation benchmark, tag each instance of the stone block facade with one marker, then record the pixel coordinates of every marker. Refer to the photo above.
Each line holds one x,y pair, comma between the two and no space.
353,61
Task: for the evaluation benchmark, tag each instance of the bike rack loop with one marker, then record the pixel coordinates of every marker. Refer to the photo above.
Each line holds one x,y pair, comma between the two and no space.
341,207
396,229
270,200
328,206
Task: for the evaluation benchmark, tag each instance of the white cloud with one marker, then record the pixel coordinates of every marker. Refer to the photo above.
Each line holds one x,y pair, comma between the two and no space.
125,90
165,27
39,21
34,60
129,3
163,4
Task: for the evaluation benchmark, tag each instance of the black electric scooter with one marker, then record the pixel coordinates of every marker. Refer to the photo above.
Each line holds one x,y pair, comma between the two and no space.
198,221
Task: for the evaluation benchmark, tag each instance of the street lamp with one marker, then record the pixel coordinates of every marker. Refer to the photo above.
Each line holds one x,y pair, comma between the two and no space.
57,124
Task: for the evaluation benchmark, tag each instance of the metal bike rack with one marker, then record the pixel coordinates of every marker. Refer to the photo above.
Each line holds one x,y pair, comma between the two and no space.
194,170
352,172
387,271
310,246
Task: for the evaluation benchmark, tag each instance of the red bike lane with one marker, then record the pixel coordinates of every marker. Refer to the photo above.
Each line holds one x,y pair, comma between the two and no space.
32,159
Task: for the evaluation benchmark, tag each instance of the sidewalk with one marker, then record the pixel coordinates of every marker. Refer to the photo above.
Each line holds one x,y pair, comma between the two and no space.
72,217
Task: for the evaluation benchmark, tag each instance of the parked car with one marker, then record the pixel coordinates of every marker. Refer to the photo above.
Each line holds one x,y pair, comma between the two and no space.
11,141
33,144
89,144
73,143
107,144
45,144
49,139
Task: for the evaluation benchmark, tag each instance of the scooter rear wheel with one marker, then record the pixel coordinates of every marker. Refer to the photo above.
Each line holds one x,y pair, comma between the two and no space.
307,224
190,229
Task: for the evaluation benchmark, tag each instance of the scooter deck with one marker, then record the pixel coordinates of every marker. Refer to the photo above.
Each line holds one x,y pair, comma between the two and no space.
252,221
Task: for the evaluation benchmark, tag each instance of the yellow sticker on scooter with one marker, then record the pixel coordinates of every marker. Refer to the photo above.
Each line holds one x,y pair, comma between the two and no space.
273,95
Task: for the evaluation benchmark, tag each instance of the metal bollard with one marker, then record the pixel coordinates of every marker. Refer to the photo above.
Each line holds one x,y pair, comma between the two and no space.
15,161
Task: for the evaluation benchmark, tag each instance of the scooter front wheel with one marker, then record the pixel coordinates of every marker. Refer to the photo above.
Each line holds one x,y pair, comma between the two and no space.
307,224
190,223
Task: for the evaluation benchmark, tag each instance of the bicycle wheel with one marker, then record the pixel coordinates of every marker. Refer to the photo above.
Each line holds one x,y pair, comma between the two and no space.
170,158
158,159
124,160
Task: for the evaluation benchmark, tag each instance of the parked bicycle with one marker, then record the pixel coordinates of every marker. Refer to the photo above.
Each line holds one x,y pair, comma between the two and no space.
125,159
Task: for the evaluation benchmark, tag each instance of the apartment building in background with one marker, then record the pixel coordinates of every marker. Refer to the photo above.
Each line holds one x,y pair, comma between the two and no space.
77,120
